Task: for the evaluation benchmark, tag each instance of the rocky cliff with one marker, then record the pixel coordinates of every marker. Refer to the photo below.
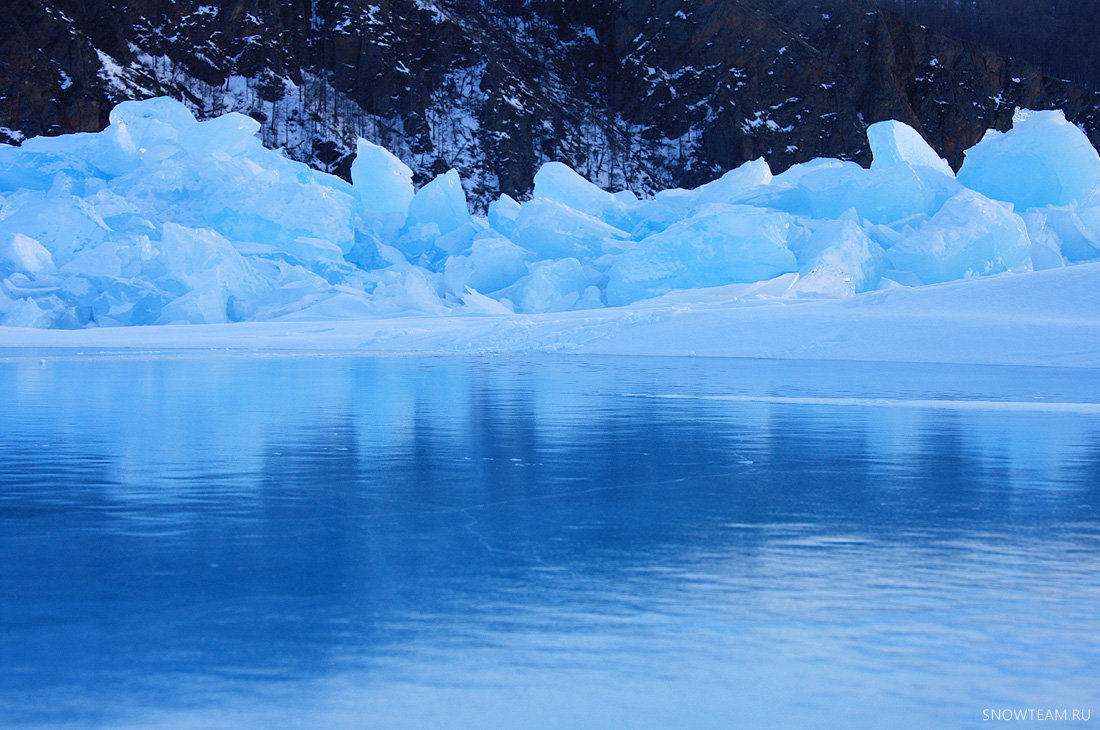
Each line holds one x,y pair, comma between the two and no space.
637,95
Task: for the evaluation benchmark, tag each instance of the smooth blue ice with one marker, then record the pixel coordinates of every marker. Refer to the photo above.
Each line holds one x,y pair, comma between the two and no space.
502,214
555,286
567,543
491,263
441,203
162,218
734,185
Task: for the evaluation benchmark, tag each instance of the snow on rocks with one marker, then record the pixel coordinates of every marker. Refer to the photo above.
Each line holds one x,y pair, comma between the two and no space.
163,219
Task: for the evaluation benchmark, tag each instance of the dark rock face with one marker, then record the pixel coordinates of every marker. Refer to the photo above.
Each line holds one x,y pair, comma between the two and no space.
638,95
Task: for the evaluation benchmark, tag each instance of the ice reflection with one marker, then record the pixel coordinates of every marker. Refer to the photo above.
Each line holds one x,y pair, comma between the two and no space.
409,542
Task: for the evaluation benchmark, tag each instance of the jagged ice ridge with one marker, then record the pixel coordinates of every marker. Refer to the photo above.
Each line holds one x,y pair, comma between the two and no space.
163,219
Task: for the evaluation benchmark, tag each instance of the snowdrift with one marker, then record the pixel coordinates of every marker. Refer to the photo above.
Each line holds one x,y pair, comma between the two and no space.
163,219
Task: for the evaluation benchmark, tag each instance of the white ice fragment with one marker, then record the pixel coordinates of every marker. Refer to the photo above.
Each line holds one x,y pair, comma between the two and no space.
474,302
406,289
20,253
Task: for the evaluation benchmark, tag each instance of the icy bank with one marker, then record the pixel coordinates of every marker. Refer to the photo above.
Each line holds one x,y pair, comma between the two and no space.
162,219
1043,318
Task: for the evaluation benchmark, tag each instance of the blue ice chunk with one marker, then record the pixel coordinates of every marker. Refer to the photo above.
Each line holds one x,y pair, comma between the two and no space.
837,258
723,244
503,213
794,174
1063,229
883,195
64,224
155,116
559,182
1046,245
670,206
384,185
734,185
896,143
971,235
555,286
229,134
1043,160
442,202
1088,213
492,263
886,194
553,230
25,312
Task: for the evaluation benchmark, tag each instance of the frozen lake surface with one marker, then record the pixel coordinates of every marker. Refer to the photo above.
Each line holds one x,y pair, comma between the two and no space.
285,542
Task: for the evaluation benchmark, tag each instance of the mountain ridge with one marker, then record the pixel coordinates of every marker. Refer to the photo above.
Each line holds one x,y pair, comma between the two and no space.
634,95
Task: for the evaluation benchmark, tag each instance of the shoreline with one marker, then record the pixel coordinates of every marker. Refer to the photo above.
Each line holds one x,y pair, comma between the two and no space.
1046,318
